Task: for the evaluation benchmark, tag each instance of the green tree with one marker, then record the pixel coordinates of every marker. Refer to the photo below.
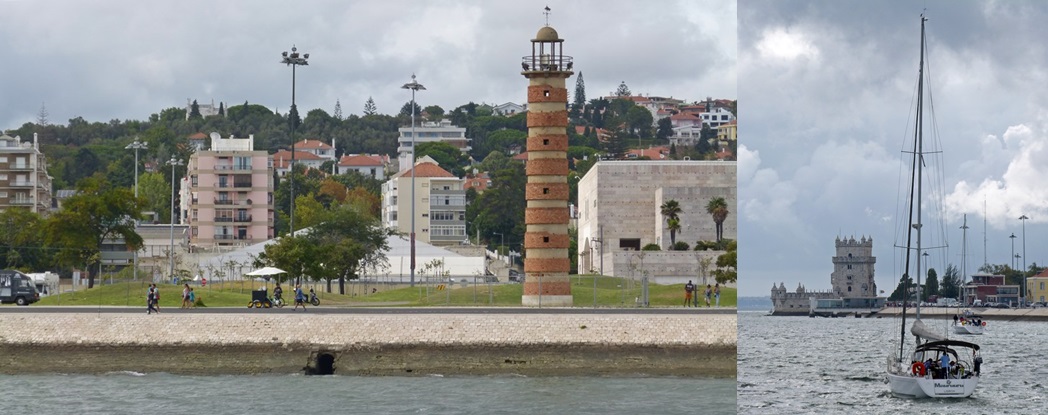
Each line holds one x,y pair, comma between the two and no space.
155,192
727,264
449,157
900,293
369,107
671,211
405,111
931,284
623,90
950,287
665,129
337,114
639,120
349,242
221,109
500,209
718,208
22,242
434,112
99,211
579,102
194,111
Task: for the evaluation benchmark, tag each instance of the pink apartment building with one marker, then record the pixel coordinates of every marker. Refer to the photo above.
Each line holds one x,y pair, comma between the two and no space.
230,194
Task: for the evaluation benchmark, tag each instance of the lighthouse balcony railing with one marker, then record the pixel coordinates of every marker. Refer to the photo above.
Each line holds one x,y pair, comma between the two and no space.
546,63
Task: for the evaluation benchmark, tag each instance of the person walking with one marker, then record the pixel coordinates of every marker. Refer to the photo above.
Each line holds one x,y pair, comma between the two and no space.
300,298
689,288
156,297
709,290
716,293
192,298
151,299
185,295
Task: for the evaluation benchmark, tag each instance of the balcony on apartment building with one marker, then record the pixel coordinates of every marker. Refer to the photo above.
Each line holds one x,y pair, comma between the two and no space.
226,165
20,201
243,218
21,183
225,201
19,166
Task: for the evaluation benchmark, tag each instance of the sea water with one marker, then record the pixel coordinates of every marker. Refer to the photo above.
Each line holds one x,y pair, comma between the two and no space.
799,365
137,393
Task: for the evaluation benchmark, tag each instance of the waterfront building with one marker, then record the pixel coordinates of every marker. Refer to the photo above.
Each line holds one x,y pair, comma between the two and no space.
619,213
853,288
228,194
24,182
1037,287
426,133
440,202
991,289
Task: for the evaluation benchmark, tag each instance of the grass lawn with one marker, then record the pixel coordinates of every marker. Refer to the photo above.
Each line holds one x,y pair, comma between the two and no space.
610,292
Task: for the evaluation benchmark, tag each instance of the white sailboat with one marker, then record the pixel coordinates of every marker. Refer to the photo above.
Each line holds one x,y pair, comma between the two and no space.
937,367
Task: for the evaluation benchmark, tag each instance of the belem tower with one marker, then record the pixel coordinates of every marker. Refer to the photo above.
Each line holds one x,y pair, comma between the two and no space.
852,282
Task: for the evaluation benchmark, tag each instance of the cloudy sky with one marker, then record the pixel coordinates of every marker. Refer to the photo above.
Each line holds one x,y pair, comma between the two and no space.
826,89
125,59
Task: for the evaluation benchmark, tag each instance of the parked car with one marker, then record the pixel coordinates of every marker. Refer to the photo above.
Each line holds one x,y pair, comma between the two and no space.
1002,305
18,288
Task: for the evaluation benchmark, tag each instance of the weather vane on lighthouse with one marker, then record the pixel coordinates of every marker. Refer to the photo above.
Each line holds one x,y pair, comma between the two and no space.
547,15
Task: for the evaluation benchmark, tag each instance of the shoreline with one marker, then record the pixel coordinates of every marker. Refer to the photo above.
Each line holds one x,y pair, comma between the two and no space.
371,345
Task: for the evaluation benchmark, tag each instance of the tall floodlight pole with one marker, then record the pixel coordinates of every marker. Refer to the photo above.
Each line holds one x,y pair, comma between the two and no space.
171,252
136,145
1022,301
293,60
413,86
1013,250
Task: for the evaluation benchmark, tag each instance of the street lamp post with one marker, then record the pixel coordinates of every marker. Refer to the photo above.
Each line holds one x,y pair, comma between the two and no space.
293,60
413,86
171,252
136,145
1013,250
1022,302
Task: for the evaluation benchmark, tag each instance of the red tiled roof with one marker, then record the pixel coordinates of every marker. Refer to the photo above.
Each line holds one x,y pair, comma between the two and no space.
198,136
360,160
653,153
478,181
311,144
686,116
522,156
282,158
426,170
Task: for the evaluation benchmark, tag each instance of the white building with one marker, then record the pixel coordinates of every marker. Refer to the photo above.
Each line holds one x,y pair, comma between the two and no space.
426,133
619,213
440,204
508,109
369,165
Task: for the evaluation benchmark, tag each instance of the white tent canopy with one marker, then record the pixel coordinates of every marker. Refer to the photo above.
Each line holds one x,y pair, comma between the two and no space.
397,267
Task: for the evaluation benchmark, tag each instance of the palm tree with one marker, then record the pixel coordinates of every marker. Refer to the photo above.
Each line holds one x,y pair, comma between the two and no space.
670,210
673,225
718,208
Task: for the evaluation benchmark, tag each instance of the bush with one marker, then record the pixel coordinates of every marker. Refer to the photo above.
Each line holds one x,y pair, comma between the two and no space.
680,246
651,247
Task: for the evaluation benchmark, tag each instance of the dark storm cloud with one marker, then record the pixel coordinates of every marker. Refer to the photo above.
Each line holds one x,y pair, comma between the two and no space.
126,60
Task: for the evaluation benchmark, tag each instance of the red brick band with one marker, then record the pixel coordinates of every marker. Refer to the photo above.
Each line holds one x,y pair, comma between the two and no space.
548,119
543,216
541,265
547,167
546,93
548,288
539,240
556,142
546,191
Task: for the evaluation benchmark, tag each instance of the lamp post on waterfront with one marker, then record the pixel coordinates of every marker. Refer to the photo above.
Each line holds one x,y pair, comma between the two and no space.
293,60
136,145
413,86
1013,250
1022,301
171,252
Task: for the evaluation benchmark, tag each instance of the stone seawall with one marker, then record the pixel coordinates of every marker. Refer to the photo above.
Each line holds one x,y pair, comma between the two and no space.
377,344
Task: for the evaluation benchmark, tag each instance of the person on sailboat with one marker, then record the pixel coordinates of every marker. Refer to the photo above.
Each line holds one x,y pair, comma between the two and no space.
944,365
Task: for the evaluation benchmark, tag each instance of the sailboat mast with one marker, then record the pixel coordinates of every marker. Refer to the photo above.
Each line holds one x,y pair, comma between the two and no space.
964,259
915,203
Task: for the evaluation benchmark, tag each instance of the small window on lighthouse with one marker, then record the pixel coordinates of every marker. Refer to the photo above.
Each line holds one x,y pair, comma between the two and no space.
545,93
545,142
545,190
545,239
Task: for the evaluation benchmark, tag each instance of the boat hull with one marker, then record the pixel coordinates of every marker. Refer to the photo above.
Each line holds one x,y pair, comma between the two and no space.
906,386
968,329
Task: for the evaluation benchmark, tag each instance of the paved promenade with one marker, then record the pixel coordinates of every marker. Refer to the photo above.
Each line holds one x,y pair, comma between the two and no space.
370,344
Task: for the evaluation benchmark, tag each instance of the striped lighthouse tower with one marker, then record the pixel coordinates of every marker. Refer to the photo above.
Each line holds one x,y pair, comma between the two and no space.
546,262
